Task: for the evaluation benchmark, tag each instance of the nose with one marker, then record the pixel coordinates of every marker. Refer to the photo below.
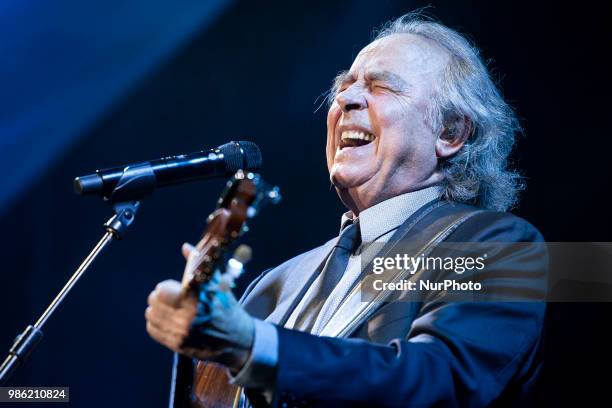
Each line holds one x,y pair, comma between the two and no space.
351,99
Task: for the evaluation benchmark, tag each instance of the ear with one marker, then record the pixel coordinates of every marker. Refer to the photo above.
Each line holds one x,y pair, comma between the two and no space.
456,131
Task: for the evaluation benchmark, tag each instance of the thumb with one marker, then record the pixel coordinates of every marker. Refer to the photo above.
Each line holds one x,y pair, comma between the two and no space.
187,249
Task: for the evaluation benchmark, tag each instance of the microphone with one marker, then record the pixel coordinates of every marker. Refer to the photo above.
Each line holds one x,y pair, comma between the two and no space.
133,181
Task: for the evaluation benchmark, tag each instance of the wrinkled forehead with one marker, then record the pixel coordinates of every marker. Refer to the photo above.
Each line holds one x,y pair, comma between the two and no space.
403,54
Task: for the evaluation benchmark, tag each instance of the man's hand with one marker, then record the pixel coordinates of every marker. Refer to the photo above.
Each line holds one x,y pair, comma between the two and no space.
214,327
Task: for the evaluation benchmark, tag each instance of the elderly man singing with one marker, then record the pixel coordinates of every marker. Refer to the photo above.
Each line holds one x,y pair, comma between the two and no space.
418,137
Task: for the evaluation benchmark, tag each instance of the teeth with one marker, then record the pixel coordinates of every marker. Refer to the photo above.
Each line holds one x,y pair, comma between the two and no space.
353,134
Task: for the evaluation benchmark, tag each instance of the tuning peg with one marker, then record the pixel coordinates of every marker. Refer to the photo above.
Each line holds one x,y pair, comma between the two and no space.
274,195
235,266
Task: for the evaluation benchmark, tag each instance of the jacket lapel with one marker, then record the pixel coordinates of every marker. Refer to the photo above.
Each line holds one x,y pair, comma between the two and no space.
279,291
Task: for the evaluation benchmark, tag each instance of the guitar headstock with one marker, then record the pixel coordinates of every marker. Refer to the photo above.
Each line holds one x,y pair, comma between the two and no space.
245,194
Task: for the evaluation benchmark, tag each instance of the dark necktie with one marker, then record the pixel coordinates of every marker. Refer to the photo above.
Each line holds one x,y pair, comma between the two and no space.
332,272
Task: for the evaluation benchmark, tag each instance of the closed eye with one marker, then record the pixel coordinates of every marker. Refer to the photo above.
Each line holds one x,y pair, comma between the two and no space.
383,87
386,80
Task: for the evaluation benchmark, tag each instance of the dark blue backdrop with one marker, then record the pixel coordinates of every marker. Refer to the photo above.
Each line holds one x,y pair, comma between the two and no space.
157,78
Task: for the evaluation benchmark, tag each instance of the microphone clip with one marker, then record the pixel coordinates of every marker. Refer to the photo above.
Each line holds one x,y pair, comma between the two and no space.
135,182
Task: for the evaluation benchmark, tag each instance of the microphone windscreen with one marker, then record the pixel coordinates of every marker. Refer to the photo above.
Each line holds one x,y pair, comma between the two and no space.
241,155
252,155
232,156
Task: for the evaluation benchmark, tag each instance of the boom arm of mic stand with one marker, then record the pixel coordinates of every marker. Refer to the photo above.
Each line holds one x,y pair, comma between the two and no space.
116,227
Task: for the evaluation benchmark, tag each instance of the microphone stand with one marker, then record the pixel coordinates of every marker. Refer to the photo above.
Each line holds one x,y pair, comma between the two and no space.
115,227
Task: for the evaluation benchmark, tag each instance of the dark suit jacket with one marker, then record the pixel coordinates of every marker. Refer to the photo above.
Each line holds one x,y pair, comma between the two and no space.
431,352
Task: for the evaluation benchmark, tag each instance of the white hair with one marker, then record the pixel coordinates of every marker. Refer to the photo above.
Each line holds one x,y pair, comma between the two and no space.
478,174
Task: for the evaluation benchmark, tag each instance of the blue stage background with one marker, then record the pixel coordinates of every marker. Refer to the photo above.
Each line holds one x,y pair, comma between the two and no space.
95,84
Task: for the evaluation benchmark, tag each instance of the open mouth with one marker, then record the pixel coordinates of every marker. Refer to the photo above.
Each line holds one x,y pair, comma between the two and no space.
355,138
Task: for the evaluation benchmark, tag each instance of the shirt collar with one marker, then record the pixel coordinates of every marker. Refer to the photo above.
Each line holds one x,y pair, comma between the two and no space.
388,215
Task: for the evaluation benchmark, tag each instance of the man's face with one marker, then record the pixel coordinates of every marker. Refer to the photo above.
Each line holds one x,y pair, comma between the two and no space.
379,143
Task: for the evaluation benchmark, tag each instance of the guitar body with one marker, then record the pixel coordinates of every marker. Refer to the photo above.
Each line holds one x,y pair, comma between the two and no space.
211,388
201,384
